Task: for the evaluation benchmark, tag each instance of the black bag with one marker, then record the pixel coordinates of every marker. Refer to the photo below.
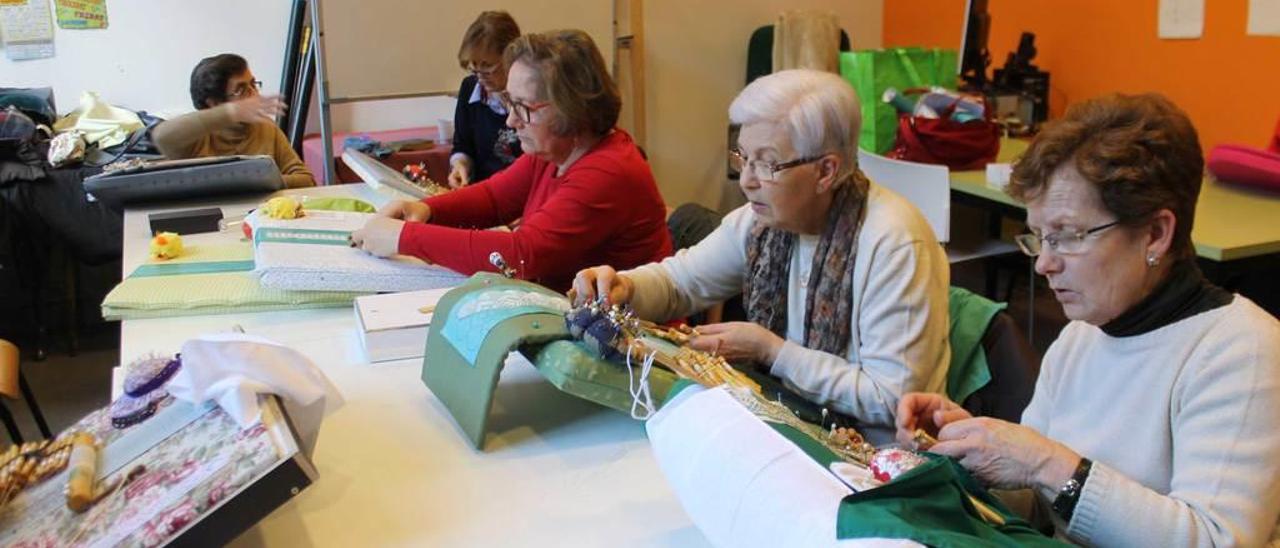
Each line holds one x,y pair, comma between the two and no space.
138,145
23,146
36,103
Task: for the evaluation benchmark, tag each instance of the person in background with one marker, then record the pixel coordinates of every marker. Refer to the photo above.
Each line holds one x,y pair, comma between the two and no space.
843,281
231,118
1156,417
483,144
584,192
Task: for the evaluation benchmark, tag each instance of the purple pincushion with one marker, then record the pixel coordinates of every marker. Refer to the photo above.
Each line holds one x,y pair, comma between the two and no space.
148,374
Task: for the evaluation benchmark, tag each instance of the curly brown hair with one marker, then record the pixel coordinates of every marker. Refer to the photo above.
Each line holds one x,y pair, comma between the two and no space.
489,33
573,77
1140,151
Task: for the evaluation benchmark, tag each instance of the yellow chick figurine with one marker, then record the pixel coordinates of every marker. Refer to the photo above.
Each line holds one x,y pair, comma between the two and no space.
166,245
282,207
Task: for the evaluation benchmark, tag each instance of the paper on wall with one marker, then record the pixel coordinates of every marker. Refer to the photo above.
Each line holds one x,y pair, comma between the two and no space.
27,29
1181,19
1264,18
82,14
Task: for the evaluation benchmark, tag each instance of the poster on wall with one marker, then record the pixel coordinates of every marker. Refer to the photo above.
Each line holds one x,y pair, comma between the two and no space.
1181,19
27,29
1264,18
82,14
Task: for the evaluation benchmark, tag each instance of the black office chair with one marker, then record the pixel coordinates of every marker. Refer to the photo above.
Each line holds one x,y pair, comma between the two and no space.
1014,369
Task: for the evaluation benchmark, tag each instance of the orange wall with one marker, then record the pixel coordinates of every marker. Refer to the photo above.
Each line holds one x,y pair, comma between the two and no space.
1229,83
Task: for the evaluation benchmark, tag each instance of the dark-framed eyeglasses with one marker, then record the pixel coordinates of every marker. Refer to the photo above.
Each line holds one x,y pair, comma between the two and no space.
483,70
762,170
523,111
243,89
1063,242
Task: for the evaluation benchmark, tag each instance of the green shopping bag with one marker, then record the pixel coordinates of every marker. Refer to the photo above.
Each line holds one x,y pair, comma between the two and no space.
871,72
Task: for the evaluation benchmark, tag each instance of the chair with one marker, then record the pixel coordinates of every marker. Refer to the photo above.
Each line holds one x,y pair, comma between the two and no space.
928,187
1014,370
13,384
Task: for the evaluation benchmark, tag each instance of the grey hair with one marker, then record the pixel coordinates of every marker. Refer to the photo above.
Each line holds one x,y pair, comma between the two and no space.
819,110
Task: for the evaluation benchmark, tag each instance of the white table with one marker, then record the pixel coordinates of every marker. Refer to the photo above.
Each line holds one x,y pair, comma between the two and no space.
396,470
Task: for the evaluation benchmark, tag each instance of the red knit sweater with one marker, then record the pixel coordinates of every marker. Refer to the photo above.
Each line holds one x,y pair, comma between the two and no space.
604,210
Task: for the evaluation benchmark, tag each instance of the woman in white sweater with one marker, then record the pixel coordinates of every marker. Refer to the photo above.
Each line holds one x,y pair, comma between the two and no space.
1156,418
843,281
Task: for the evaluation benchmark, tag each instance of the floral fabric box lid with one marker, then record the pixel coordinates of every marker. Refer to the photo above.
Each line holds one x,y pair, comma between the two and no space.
205,483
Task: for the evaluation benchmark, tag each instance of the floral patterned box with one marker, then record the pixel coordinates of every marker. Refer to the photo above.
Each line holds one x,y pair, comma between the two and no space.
204,484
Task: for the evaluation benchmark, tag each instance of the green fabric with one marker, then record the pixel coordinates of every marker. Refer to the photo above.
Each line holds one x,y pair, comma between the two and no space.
930,505
207,279
971,315
282,235
214,293
871,72
336,203
175,269
574,369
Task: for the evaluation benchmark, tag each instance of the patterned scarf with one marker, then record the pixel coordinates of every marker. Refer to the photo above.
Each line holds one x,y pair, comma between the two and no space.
827,311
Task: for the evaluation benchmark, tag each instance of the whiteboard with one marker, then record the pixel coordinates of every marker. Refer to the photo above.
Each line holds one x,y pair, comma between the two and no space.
376,48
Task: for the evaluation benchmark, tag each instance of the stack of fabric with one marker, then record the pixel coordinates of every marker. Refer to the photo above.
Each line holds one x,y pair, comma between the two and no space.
312,253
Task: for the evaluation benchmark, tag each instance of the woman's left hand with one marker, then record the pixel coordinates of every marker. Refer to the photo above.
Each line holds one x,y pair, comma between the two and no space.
380,236
738,342
1005,455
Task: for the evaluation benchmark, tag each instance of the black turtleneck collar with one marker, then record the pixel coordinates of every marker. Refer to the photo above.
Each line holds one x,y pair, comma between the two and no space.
1183,294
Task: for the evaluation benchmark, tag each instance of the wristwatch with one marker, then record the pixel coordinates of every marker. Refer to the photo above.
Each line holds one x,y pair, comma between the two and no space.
1069,494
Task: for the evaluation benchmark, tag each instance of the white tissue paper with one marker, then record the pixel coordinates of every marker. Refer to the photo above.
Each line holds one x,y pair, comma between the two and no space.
233,369
741,482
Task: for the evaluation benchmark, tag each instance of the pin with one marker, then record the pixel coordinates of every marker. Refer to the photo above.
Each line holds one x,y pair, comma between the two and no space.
500,263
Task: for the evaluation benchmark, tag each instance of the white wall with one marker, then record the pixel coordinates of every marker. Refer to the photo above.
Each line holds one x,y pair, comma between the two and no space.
695,63
143,59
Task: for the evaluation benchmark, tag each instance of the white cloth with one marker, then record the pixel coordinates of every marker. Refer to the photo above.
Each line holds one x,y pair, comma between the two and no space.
740,481
233,369
1182,423
100,122
899,336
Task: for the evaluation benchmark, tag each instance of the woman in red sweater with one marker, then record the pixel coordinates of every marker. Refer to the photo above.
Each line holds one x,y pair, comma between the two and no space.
583,192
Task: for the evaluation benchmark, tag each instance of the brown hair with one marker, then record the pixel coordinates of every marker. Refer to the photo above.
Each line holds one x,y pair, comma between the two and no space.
572,76
489,33
1140,151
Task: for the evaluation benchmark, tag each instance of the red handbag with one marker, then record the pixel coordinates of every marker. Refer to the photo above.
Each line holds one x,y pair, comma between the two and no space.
961,146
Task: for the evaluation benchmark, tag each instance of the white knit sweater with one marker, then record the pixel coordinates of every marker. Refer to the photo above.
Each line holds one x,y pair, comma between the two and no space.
899,325
1182,423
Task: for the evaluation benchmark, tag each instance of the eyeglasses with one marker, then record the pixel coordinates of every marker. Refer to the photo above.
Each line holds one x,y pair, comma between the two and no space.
243,89
482,70
762,170
1064,242
523,111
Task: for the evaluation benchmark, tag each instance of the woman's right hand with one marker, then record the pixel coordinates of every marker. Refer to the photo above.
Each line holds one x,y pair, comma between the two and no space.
256,108
458,177
601,280
406,210
926,411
